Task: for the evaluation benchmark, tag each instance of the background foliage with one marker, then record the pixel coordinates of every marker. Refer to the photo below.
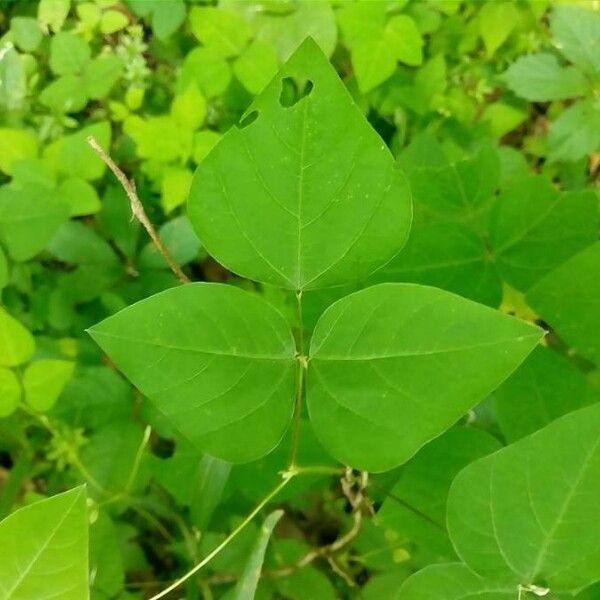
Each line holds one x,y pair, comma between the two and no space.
492,110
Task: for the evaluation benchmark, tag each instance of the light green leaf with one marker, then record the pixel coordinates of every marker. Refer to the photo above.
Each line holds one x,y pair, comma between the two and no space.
373,63
4,272
534,228
106,561
545,387
48,545
576,132
576,32
204,142
448,256
175,187
207,69
100,75
81,197
246,585
29,217
68,53
65,94
211,476
167,18
189,108
256,66
528,514
181,241
395,365
10,391
225,31
361,21
14,90
316,199
16,145
416,507
176,140
567,299
44,380
26,33
16,343
539,78
404,40
223,368
497,20
453,581
113,21
52,13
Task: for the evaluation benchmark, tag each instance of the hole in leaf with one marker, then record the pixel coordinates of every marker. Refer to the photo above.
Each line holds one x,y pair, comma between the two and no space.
248,119
291,94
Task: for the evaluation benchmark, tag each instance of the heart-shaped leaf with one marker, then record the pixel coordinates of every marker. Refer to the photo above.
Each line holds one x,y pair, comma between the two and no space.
218,361
303,194
45,549
528,514
395,365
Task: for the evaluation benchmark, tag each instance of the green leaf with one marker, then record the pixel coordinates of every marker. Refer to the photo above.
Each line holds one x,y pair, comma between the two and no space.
100,75
207,69
48,545
167,18
16,343
16,145
246,585
576,132
10,391
373,63
176,140
448,256
113,21
404,40
26,33
223,365
68,53
189,108
576,32
256,66
453,581
211,476
316,199
545,387
416,505
361,21
539,78
395,365
527,515
497,20
567,299
4,272
53,13
534,228
29,217
225,31
81,197
65,94
106,562
179,237
44,380
175,187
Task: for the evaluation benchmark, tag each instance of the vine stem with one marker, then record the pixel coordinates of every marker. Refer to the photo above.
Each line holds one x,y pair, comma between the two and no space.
137,208
302,363
287,477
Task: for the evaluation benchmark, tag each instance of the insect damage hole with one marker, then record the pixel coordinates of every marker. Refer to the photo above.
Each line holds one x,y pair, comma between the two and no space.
291,93
248,119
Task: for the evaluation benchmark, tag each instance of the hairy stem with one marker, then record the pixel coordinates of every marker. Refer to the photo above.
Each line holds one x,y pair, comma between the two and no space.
137,208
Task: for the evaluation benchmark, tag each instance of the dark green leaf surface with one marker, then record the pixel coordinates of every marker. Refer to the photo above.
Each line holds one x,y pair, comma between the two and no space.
316,199
395,365
217,361
568,299
528,514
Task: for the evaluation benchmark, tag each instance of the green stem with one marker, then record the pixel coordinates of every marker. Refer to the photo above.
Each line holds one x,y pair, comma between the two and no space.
138,459
226,541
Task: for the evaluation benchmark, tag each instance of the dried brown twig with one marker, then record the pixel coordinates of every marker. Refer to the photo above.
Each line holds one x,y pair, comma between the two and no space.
137,208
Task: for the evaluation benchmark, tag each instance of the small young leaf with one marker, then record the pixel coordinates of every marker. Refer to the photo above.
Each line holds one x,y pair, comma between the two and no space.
217,361
44,380
316,199
567,299
395,365
10,392
69,53
16,343
528,514
225,31
16,145
47,543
